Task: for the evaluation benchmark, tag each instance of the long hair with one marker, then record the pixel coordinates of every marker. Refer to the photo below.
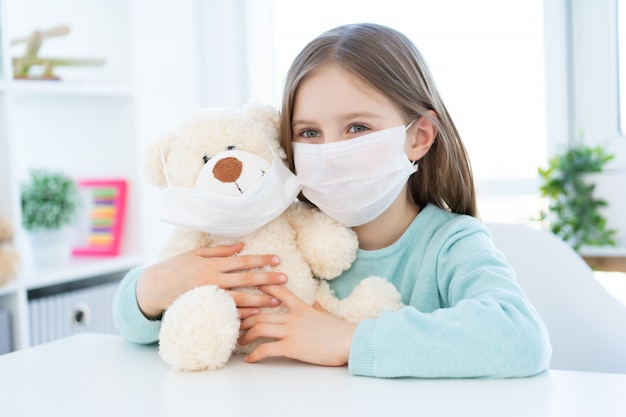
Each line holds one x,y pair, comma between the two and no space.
389,62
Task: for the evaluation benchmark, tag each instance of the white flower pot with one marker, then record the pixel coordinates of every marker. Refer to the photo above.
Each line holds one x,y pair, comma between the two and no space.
51,247
610,186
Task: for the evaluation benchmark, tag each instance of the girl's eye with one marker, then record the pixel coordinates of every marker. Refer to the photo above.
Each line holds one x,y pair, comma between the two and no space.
357,129
310,133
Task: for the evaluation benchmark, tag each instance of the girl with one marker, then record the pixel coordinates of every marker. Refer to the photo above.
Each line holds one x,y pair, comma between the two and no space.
375,148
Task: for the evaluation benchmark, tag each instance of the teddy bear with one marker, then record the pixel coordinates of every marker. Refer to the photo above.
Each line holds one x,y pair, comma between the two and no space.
9,259
223,176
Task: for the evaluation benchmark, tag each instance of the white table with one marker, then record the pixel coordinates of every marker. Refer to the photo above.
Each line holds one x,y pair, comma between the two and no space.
102,375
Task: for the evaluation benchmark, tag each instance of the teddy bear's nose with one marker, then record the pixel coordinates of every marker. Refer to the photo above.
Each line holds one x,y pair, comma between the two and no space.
228,169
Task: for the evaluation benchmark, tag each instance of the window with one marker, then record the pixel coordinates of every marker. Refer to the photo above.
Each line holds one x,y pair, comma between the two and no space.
621,44
595,85
487,58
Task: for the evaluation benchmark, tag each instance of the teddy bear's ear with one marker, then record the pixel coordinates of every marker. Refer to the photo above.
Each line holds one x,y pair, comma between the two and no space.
265,114
158,152
268,118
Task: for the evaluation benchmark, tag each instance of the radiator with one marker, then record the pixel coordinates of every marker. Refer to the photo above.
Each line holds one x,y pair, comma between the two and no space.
64,310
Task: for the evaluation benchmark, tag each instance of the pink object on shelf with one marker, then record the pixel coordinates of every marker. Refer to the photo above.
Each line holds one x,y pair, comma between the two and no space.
106,200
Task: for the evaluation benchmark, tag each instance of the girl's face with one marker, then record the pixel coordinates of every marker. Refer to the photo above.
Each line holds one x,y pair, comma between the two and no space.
332,105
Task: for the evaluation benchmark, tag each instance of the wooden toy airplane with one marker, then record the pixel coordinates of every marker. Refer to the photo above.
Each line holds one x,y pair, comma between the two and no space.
23,64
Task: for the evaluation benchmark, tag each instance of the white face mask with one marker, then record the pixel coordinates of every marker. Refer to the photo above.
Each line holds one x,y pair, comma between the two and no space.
231,215
354,181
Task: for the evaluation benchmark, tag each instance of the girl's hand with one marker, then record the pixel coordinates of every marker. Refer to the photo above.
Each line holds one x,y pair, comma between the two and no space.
306,333
161,283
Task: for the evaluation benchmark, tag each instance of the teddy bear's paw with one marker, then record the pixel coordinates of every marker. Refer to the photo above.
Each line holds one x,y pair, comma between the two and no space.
328,247
326,297
199,330
369,298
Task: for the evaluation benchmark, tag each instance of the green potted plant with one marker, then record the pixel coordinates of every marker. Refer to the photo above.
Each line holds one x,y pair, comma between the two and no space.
573,210
50,203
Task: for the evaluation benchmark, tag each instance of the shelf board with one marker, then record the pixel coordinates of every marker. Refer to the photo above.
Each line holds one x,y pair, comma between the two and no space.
605,258
25,87
77,268
603,251
9,288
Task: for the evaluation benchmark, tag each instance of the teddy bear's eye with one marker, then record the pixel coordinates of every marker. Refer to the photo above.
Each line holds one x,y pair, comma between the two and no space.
205,159
231,147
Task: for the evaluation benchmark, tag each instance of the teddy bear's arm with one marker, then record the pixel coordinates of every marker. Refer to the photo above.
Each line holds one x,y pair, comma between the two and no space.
327,246
368,299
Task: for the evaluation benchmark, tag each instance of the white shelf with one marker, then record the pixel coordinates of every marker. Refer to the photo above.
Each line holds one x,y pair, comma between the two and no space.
9,289
67,88
603,251
78,268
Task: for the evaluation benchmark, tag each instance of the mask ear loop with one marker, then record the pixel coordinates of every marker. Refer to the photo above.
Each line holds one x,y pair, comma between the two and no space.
167,178
415,163
275,158
269,145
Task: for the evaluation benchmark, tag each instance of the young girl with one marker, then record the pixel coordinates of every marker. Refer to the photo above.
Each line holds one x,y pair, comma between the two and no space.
375,148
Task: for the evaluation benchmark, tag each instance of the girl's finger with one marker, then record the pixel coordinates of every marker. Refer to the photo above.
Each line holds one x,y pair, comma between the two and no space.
267,318
255,279
318,307
253,300
246,312
285,296
262,330
219,251
265,350
248,262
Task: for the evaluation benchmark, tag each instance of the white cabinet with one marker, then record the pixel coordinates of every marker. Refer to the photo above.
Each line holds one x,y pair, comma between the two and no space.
94,122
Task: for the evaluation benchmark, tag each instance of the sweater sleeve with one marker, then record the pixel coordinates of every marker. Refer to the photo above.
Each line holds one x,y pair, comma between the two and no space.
128,318
486,326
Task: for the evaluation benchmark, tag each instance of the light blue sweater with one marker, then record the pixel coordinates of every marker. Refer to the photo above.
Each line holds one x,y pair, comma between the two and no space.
465,315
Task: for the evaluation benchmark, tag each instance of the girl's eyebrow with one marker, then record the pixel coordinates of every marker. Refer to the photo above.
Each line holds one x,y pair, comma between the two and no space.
361,115
296,123
345,117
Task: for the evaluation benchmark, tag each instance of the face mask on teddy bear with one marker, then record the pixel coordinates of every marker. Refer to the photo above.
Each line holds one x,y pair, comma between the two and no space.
235,194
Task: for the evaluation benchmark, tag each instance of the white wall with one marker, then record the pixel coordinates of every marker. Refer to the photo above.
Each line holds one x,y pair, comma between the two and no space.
172,65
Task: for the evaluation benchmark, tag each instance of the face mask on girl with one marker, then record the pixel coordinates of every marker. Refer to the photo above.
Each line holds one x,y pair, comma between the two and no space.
354,181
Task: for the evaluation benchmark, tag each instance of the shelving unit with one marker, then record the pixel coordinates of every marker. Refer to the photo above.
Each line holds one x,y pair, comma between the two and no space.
98,122
82,124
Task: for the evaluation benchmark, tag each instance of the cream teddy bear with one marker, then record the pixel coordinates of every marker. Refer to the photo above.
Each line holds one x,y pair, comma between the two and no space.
224,180
9,259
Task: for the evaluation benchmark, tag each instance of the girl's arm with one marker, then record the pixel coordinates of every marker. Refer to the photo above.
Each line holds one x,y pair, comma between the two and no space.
128,318
144,294
486,328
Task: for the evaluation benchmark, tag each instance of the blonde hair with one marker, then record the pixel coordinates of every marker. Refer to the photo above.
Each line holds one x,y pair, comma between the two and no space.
389,62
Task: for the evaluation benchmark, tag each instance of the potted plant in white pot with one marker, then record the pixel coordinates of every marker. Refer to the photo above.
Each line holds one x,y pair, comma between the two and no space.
50,204
575,210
